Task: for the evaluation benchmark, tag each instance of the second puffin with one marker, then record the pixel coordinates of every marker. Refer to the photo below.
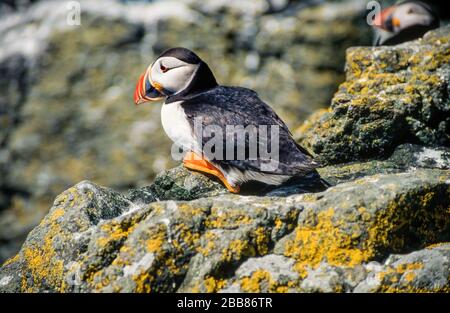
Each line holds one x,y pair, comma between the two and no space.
192,94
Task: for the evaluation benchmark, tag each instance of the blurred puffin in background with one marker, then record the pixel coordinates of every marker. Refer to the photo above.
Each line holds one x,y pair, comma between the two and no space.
191,92
405,21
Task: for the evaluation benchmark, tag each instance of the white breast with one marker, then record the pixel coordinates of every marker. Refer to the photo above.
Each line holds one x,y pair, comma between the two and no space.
176,125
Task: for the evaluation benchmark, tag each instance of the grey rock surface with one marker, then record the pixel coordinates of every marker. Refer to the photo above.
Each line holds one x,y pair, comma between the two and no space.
95,239
393,95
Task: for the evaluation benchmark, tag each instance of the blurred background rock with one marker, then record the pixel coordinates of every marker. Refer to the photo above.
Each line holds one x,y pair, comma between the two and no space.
66,106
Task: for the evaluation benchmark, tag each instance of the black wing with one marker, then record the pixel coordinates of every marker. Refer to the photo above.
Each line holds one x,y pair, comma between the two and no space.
234,106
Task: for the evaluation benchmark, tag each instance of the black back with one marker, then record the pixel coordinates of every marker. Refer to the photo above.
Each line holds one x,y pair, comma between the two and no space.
222,106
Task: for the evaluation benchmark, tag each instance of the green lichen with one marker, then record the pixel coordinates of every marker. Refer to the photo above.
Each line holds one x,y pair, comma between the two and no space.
392,95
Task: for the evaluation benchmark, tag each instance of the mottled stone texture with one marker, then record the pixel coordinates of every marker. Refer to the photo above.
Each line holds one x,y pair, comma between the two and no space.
392,95
94,239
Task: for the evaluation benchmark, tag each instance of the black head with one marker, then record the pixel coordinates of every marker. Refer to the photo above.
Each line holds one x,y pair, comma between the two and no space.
177,74
182,54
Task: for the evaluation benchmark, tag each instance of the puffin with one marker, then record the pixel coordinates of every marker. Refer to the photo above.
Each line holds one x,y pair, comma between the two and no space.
194,100
405,21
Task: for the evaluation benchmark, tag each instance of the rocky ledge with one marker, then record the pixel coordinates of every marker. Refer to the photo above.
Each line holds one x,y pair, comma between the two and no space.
381,227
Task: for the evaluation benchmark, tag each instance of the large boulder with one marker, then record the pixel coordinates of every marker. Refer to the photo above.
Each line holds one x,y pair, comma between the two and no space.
95,239
392,95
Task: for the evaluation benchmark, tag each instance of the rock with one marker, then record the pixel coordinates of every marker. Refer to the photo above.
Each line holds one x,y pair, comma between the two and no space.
322,279
178,184
392,95
67,90
269,273
405,158
425,270
95,239
181,184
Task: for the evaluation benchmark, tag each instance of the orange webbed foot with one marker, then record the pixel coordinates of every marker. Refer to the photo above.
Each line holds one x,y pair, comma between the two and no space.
195,162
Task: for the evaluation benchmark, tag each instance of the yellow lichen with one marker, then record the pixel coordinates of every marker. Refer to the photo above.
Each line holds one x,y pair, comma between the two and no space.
12,260
227,219
155,244
43,264
391,282
113,232
312,244
261,281
237,249
253,283
143,282
213,284
262,238
210,245
278,224
440,245
400,213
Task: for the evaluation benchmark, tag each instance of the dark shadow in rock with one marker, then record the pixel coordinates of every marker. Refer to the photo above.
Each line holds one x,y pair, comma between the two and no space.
297,185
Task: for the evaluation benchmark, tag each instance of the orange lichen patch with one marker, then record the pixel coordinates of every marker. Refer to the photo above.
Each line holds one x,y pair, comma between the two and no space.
57,213
409,277
278,224
143,282
227,219
262,240
423,207
155,243
312,244
168,248
69,198
308,197
113,232
411,289
189,237
391,282
43,264
213,284
393,274
253,283
261,281
402,268
237,249
380,88
209,245
320,237
188,210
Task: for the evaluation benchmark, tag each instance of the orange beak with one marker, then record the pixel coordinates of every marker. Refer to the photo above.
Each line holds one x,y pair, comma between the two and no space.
385,21
146,90
396,22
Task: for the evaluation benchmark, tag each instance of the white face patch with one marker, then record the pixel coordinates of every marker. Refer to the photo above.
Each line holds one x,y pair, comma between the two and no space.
411,14
172,74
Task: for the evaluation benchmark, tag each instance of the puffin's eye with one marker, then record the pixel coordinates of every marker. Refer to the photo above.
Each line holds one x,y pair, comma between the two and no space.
163,68
410,11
